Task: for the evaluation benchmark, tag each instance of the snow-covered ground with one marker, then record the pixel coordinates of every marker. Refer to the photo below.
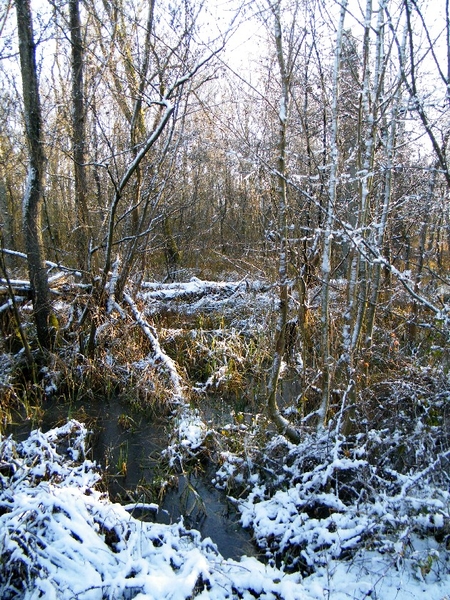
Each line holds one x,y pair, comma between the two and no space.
336,518
61,538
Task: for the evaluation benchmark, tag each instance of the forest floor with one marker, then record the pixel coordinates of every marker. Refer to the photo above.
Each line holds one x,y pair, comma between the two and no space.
362,515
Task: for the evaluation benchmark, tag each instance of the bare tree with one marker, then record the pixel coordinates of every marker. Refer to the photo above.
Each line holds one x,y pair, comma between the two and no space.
150,77
411,80
285,69
32,200
327,357
79,134
390,126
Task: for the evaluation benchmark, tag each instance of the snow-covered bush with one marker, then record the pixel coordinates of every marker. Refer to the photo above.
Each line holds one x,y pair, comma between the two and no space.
331,495
61,539
191,439
331,504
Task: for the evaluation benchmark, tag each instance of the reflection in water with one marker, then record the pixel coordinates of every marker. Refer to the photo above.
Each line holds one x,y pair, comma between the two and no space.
192,497
129,449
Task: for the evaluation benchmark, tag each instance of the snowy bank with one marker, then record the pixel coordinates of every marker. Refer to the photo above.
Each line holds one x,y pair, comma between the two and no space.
61,538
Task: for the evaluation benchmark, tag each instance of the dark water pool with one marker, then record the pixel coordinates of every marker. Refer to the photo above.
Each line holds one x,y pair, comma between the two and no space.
129,448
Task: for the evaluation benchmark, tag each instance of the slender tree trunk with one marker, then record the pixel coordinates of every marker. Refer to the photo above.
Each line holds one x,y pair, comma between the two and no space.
32,201
379,238
79,136
357,288
326,256
137,130
367,133
282,424
421,250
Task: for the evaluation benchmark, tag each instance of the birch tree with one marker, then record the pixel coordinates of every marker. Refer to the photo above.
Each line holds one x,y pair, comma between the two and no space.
391,122
372,101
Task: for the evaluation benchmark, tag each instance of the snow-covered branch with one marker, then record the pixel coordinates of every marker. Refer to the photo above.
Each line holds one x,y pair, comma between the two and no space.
158,357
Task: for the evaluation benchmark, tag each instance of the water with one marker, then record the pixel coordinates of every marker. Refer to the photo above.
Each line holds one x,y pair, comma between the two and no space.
128,447
192,496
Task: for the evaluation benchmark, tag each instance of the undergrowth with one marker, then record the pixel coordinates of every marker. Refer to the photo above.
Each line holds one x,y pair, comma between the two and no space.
380,486
333,495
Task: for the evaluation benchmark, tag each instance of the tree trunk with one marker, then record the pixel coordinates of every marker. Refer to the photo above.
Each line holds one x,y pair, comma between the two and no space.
391,127
357,287
32,200
282,424
79,136
137,133
326,256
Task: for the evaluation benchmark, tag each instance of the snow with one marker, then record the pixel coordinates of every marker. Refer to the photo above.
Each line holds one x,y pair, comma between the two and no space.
61,538
331,522
231,298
